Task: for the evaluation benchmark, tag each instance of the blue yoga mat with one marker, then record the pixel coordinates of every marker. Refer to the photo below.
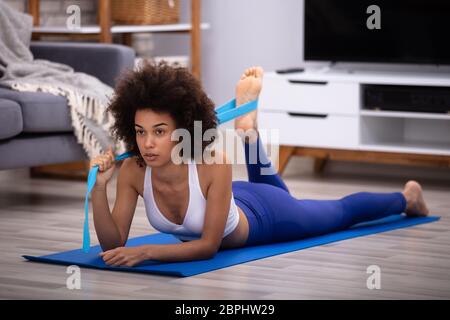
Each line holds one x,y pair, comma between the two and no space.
225,258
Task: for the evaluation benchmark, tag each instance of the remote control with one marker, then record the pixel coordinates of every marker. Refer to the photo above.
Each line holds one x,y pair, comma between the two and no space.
289,70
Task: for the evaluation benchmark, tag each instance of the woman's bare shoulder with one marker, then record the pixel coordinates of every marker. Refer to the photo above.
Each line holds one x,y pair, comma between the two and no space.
132,174
216,167
132,168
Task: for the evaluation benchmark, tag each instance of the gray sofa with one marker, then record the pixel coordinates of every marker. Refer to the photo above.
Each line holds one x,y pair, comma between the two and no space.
35,128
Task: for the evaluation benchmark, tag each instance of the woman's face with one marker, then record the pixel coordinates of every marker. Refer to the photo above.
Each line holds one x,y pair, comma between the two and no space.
153,132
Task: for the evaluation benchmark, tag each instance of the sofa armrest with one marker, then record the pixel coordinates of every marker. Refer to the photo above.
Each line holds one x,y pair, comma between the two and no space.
103,61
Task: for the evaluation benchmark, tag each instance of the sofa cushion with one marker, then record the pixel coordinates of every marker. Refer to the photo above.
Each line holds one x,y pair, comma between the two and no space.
29,150
10,119
41,112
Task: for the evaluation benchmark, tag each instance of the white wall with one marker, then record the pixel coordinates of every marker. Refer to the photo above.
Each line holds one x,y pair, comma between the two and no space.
245,33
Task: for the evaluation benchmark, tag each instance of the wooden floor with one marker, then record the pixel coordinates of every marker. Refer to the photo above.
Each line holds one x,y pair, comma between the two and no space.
40,216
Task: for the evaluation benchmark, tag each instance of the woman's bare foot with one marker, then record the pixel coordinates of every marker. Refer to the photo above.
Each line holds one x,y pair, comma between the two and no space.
416,206
248,89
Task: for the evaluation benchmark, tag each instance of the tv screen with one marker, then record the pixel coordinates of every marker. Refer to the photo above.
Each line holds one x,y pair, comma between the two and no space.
395,31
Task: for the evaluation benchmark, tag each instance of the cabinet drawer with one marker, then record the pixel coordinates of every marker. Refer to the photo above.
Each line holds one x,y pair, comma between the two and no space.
331,131
282,94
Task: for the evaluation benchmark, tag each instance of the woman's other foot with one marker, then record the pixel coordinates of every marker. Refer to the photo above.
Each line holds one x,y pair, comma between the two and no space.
247,89
416,206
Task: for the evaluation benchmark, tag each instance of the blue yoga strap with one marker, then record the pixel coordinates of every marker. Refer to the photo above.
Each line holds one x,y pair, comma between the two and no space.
224,113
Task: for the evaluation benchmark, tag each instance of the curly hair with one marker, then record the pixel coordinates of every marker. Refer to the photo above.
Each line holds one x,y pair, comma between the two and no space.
162,89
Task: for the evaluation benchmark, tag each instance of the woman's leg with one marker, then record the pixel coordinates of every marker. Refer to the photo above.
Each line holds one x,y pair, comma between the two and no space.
274,215
366,206
259,167
306,218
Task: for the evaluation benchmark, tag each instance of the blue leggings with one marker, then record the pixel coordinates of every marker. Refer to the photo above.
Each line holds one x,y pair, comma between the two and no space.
274,215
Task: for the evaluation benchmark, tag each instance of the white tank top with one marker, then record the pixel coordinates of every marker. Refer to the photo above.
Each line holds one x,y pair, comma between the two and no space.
192,226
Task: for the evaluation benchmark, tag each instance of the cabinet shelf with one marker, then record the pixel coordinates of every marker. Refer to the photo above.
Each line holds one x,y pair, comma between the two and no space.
402,134
96,29
406,115
417,147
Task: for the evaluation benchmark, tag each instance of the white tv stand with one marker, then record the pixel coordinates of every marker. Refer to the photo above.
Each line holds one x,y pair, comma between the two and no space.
319,113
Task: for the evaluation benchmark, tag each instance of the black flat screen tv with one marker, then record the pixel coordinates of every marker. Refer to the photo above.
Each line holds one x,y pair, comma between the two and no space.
410,31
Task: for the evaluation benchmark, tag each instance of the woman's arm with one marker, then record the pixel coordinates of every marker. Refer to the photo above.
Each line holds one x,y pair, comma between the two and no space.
131,256
186,251
113,229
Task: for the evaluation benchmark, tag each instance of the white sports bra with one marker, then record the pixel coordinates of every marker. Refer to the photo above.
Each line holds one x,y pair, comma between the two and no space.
192,226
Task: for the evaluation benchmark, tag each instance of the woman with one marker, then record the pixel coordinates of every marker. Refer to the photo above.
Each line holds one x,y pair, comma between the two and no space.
198,202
